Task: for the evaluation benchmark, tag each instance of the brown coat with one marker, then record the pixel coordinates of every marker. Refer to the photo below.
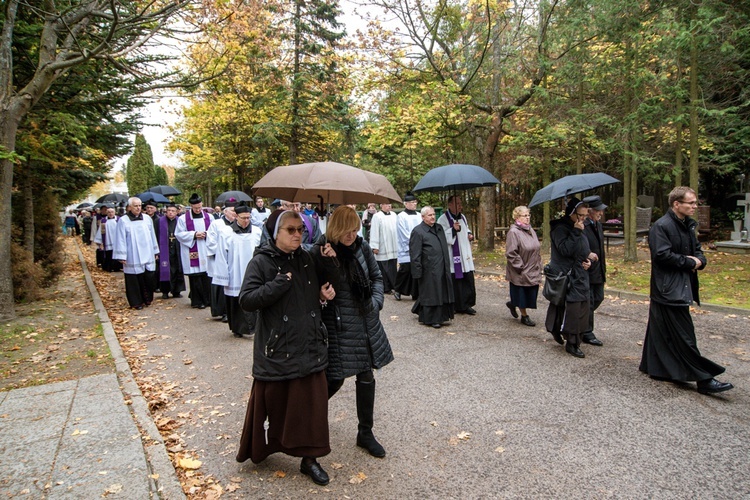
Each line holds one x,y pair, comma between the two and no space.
522,249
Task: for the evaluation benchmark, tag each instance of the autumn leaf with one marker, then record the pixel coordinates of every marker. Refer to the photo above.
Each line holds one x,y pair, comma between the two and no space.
357,478
189,463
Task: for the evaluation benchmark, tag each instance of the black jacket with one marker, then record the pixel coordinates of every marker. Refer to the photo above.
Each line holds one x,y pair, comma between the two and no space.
357,342
290,337
595,236
673,281
568,251
431,264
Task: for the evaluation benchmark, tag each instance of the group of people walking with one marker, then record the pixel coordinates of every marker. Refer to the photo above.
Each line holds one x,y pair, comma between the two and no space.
312,299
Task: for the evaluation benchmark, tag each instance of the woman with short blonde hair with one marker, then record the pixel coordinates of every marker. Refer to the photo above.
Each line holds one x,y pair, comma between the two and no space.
524,267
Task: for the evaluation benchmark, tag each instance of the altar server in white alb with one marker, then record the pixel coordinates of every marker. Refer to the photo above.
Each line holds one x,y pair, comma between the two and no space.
459,238
219,226
408,219
384,244
235,249
191,232
136,247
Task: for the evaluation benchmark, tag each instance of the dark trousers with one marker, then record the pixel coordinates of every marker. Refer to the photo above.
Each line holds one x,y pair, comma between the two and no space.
596,297
218,300
388,270
139,289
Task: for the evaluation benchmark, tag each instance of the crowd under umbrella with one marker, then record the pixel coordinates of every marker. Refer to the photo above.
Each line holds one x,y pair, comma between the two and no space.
165,190
155,197
326,182
83,205
228,195
455,177
569,185
112,198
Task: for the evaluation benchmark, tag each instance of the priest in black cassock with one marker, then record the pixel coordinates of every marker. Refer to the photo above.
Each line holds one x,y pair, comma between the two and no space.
670,349
136,247
171,277
431,267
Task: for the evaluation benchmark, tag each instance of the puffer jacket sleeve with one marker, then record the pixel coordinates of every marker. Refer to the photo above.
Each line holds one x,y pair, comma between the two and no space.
376,278
259,287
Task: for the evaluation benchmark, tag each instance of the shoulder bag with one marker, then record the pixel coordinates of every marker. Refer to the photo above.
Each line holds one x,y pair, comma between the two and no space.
555,286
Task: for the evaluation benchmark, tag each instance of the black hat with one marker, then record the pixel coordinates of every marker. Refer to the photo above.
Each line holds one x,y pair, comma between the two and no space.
241,208
409,196
595,202
231,202
150,203
195,198
171,205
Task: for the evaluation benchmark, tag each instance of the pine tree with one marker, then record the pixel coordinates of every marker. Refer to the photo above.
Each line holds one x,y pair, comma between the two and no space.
140,171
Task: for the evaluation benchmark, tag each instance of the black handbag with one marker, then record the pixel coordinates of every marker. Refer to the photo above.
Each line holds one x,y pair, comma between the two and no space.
555,286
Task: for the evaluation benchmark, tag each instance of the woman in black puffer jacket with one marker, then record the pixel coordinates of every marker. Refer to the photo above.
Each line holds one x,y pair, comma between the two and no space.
357,342
570,254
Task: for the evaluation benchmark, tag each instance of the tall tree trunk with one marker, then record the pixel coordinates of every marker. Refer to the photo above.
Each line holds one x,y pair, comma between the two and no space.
694,111
630,179
9,121
28,215
546,214
294,130
487,197
678,146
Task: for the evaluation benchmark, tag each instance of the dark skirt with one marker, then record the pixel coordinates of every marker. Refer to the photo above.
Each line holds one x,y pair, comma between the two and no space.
200,289
405,284
240,321
524,297
670,349
109,264
297,412
388,270
571,320
464,292
139,289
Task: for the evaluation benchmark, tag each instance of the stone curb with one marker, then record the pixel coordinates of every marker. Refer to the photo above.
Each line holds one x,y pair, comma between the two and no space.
167,484
627,295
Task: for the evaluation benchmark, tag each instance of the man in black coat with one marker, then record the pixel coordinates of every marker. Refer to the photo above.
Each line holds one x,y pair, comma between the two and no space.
670,350
592,229
430,266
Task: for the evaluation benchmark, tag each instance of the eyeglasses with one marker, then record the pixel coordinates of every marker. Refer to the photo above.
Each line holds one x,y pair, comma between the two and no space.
291,229
691,203
525,215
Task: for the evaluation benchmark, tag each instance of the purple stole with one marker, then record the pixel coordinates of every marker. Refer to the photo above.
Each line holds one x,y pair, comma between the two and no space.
164,248
194,259
309,225
457,268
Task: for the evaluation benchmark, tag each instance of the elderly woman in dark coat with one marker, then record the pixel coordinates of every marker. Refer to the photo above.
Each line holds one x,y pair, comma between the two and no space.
357,342
524,267
569,253
288,407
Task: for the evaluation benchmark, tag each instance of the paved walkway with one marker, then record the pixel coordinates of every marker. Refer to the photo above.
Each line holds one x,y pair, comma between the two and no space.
80,438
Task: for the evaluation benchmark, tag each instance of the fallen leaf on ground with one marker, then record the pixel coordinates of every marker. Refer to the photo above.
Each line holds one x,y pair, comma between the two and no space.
464,435
358,478
189,463
279,473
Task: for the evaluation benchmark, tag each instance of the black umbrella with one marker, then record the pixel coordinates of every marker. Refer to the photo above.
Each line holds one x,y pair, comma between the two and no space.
85,204
455,177
237,195
570,185
112,198
155,197
165,190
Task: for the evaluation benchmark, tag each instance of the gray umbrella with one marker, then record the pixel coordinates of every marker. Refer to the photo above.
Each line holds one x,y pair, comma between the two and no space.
112,198
165,190
155,197
455,177
570,185
227,195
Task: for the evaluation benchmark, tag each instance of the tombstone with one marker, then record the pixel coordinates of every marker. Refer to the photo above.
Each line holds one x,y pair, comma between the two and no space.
745,206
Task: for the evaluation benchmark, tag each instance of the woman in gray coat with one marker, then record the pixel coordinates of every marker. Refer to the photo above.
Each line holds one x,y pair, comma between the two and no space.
524,268
357,342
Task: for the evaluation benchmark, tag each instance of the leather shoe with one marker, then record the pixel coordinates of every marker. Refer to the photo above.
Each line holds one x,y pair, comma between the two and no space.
573,350
396,295
224,319
470,311
712,386
165,295
139,308
512,308
436,325
177,295
202,306
558,338
525,320
315,471
593,341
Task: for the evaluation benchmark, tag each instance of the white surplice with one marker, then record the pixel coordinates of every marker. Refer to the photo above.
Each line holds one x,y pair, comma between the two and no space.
217,227
406,222
233,253
135,243
186,239
383,235
108,237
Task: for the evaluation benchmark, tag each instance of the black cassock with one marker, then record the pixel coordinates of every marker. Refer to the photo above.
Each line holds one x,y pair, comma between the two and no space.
176,283
430,266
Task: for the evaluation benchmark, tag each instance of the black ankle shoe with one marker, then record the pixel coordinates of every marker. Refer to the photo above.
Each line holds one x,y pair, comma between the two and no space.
712,386
527,321
558,338
315,471
573,350
513,311
371,444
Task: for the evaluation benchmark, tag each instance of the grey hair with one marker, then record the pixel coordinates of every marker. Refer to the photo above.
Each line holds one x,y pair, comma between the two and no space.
132,199
425,210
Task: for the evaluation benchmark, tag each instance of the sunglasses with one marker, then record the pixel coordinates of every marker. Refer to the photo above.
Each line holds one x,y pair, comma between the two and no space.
291,229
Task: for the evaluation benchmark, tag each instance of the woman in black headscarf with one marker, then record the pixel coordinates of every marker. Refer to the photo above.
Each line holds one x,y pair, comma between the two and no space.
357,339
569,254
288,407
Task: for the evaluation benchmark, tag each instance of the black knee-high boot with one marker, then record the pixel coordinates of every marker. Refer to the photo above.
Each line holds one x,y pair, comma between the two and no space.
365,407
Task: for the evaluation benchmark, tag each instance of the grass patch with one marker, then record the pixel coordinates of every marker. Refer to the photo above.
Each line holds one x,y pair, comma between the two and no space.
725,280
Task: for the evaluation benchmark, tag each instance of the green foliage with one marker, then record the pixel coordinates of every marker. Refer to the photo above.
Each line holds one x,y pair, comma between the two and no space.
140,170
160,177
